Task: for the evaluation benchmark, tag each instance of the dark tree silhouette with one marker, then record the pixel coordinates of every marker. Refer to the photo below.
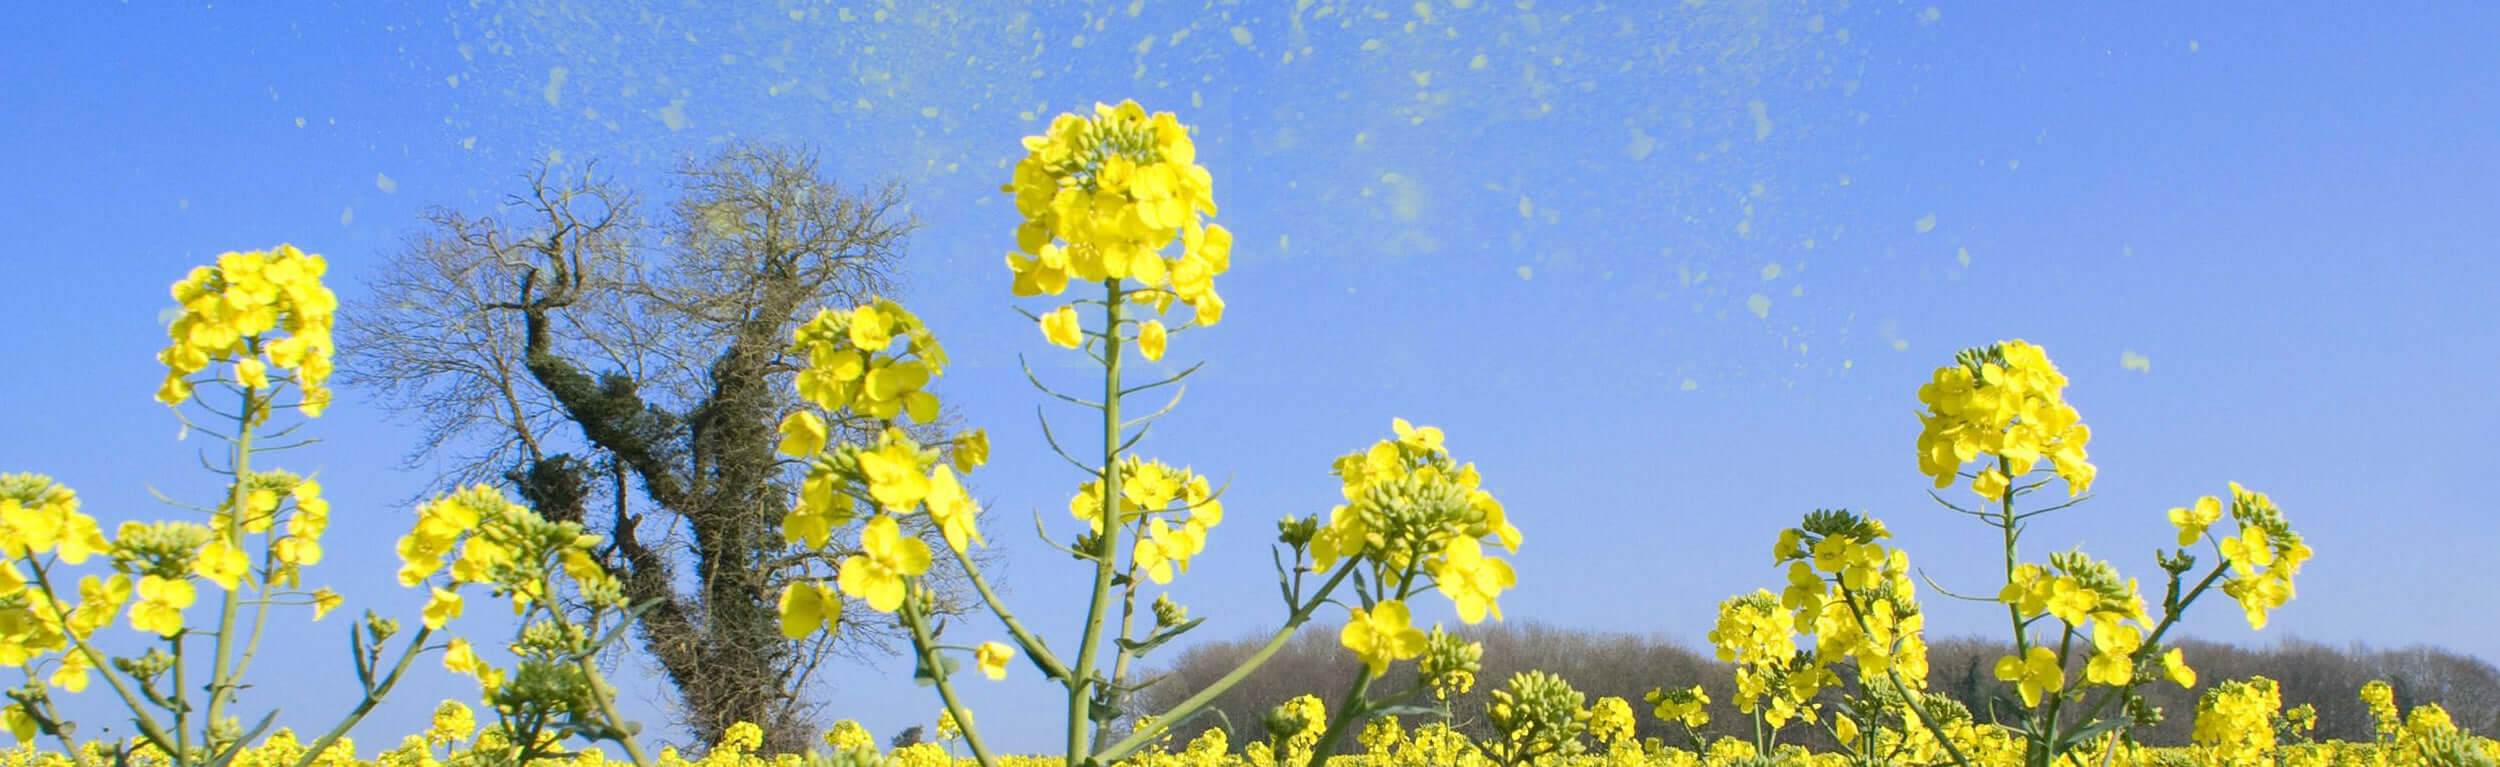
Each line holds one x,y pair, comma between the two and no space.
631,378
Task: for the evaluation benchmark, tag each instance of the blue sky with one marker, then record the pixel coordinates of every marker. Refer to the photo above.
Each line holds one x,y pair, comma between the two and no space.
1669,273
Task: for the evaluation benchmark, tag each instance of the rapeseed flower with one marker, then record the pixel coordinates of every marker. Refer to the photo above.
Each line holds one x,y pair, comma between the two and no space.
885,561
1382,635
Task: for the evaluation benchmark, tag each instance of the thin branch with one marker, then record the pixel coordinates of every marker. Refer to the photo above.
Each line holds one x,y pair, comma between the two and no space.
1045,388
1176,378
1053,441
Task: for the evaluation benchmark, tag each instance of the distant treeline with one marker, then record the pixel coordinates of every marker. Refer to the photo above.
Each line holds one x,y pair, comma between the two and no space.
1627,666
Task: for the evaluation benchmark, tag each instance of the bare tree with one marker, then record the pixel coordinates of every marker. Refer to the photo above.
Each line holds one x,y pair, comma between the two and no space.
630,377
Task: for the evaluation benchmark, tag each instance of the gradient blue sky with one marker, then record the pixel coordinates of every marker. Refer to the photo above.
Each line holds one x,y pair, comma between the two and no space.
1669,273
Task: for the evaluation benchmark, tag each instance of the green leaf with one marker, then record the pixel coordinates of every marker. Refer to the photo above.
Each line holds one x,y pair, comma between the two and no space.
222,758
920,674
1141,647
2086,733
1414,709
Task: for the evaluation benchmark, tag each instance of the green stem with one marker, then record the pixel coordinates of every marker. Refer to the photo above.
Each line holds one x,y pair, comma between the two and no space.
260,615
1120,661
1181,712
182,717
2065,647
926,646
1015,628
221,683
49,718
148,725
1917,706
1355,706
1107,541
606,696
1350,710
2013,612
371,699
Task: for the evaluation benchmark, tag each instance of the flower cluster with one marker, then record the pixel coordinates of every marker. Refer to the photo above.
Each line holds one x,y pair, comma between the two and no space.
1688,705
899,476
2007,402
1772,676
2082,592
873,360
41,526
2380,698
39,517
1537,714
502,545
1853,594
1294,727
1168,512
1450,663
1101,198
2264,557
1409,504
229,312
855,363
1610,721
2235,719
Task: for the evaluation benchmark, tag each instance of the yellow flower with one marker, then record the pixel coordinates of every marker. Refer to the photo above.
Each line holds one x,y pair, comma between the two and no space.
2007,401
1168,546
868,329
1990,485
2249,552
98,599
19,723
2192,521
807,608
894,477
2035,673
461,658
2070,600
803,434
2174,665
296,550
453,722
229,310
992,657
443,606
45,519
1425,438
251,373
2111,666
972,450
72,675
161,602
886,558
1471,579
953,509
1046,272
806,525
1382,635
1691,705
221,563
325,600
1060,327
1151,337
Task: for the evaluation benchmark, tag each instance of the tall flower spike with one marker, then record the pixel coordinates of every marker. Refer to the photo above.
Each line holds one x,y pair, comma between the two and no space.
1102,196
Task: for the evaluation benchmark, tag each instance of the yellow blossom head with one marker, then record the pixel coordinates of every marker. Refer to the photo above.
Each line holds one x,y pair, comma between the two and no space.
2003,405
258,310
1102,196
